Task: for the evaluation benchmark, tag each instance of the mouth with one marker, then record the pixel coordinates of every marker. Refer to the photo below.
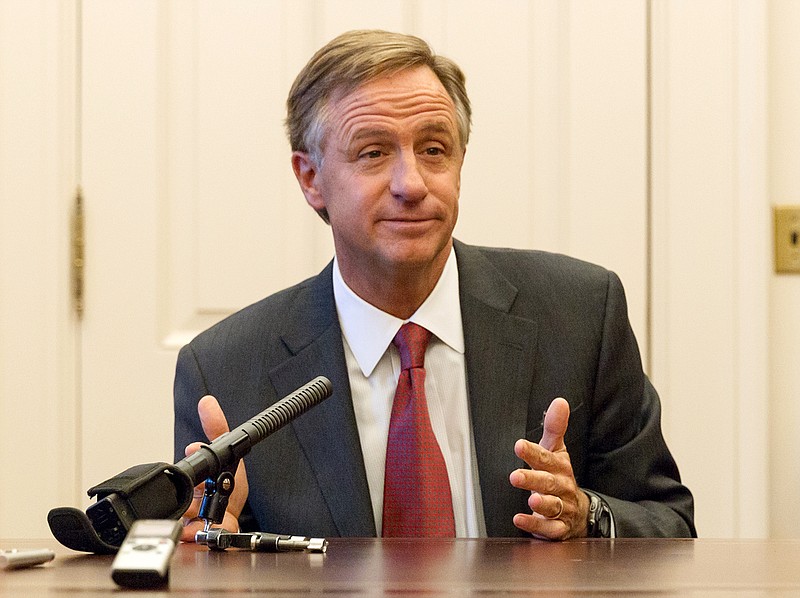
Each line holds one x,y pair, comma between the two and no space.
409,224
409,219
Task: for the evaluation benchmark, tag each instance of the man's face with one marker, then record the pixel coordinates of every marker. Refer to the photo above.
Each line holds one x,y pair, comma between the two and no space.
390,175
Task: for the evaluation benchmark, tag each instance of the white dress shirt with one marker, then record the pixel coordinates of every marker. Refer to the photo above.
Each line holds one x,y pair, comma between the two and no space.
373,365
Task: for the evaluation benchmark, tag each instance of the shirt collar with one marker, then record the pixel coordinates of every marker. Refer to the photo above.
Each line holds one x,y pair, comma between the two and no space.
369,331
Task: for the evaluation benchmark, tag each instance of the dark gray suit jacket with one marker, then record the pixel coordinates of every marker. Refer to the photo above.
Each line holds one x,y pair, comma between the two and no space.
536,326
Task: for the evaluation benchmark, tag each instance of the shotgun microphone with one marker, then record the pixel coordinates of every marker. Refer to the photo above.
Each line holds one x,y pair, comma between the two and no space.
224,452
164,491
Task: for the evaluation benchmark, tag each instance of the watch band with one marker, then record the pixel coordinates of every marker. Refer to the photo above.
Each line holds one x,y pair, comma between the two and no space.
599,522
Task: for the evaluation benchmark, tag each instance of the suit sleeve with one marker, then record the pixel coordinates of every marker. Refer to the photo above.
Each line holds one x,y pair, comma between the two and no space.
629,463
188,389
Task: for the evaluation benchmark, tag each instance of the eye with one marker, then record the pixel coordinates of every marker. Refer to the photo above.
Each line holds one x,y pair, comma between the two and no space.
371,154
435,150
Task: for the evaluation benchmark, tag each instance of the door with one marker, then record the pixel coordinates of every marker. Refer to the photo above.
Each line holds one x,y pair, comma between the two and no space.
191,208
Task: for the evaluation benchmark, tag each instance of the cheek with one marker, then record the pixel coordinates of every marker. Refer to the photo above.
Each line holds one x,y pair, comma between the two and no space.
347,204
356,193
448,188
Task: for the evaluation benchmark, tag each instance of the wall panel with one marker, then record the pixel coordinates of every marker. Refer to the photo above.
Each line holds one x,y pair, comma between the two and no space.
784,320
39,410
710,254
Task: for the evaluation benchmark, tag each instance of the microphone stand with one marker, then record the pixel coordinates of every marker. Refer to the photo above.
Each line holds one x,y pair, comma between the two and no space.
165,491
212,510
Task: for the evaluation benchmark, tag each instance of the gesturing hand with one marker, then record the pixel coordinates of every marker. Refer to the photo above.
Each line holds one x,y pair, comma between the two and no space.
214,425
559,507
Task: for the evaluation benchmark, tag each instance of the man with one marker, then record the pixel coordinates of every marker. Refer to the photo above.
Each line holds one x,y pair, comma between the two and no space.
379,128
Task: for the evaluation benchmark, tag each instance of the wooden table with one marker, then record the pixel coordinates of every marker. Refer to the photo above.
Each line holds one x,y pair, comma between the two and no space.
370,567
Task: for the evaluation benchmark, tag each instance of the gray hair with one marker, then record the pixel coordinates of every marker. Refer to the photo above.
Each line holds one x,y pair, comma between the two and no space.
352,59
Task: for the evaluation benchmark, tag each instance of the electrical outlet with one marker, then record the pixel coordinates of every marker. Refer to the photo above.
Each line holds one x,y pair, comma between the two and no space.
787,238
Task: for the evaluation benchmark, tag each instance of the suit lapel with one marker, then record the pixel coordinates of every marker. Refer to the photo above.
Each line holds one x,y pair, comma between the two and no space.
500,352
327,433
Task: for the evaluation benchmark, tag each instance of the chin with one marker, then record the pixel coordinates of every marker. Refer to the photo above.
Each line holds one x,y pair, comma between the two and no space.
418,255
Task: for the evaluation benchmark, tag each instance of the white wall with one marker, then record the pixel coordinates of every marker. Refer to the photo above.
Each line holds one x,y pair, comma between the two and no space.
39,441
784,320
710,253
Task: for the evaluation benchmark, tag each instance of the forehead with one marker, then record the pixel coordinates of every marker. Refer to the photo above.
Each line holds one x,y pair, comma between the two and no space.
409,98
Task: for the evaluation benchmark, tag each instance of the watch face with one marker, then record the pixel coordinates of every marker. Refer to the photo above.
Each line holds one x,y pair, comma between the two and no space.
604,523
599,518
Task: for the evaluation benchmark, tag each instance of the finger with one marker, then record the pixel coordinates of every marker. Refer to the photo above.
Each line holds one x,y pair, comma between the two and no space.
548,506
537,457
211,417
193,510
555,425
190,519
534,480
192,526
215,425
242,490
192,448
540,527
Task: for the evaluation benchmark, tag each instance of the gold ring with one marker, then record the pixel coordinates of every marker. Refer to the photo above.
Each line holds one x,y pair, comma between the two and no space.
560,508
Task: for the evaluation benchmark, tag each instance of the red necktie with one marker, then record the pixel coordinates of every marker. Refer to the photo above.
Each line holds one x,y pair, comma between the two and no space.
416,494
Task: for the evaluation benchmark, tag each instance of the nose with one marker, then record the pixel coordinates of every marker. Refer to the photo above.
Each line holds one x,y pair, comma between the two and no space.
408,182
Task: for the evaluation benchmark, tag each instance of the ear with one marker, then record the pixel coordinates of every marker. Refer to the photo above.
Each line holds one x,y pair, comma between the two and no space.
305,169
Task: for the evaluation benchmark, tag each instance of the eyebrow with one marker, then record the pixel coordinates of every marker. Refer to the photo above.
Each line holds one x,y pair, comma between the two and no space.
437,127
381,133
369,133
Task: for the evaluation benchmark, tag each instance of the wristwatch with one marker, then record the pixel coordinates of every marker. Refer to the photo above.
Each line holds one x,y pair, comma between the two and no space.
598,524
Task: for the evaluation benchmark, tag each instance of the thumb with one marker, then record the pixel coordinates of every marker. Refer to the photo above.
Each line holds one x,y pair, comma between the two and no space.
555,426
212,418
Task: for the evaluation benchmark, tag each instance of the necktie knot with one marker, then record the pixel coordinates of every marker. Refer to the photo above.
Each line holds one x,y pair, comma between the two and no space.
412,341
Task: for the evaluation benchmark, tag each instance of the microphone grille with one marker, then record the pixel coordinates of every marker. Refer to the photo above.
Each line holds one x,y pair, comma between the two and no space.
293,405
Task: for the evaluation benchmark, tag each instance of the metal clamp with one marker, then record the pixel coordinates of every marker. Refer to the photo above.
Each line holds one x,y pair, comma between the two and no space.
221,539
